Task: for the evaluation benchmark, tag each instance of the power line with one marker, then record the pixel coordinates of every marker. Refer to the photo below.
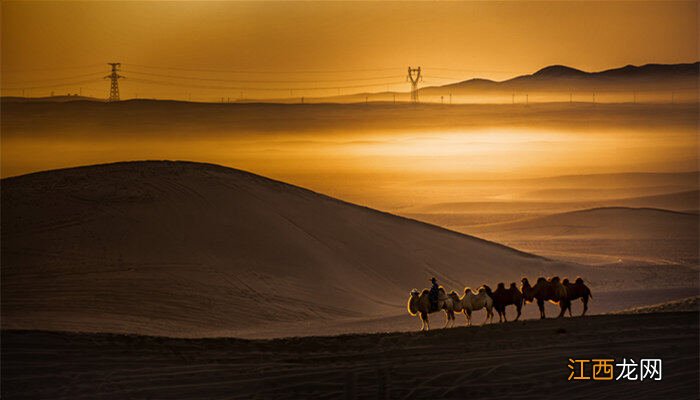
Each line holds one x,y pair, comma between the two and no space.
262,81
66,84
52,68
56,79
473,70
287,71
274,89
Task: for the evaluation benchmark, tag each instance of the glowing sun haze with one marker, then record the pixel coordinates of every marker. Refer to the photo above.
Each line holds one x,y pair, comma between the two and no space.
494,40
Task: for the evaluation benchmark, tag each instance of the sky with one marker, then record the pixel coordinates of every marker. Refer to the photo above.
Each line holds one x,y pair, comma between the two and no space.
210,50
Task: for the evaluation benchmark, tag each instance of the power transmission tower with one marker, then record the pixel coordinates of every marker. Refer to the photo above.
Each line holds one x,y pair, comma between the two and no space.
114,77
415,77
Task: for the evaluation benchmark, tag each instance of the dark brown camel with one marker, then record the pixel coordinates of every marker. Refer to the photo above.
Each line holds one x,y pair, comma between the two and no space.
503,297
577,290
551,290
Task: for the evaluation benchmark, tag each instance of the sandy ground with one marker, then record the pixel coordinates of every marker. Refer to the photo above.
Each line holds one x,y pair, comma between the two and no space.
520,360
687,304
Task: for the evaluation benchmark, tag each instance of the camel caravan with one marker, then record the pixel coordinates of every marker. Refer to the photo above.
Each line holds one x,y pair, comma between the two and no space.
553,290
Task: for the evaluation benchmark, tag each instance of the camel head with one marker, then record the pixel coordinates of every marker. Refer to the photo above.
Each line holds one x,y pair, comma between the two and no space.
411,305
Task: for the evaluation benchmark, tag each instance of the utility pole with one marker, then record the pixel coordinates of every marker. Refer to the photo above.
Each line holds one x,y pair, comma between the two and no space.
114,77
414,77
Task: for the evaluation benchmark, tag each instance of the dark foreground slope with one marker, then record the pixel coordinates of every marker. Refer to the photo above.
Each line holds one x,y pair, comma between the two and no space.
522,360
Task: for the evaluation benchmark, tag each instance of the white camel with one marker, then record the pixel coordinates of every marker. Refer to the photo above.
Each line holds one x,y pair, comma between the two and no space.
473,301
419,304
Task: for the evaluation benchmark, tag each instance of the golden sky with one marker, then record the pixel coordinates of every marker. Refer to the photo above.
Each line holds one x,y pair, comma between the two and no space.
325,44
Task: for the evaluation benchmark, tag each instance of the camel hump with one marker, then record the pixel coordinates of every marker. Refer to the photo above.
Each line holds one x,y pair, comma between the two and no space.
565,281
425,292
501,285
579,281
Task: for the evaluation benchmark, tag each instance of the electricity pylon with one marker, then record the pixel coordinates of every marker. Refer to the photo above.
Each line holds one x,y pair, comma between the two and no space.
114,77
414,77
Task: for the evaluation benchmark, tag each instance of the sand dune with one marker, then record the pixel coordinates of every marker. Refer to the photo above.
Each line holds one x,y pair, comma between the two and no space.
188,249
185,249
469,216
506,361
616,234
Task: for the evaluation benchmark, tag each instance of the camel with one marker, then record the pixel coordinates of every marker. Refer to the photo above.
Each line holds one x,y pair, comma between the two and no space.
419,303
551,290
577,290
474,301
503,297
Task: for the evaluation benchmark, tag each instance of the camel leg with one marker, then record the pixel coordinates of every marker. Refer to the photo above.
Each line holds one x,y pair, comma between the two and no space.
519,308
563,305
424,320
468,313
585,305
569,308
540,304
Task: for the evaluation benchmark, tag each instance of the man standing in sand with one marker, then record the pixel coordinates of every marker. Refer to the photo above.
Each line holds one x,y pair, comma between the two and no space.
434,294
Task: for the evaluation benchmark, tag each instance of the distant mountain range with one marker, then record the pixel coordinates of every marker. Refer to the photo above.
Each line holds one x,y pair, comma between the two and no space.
559,77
